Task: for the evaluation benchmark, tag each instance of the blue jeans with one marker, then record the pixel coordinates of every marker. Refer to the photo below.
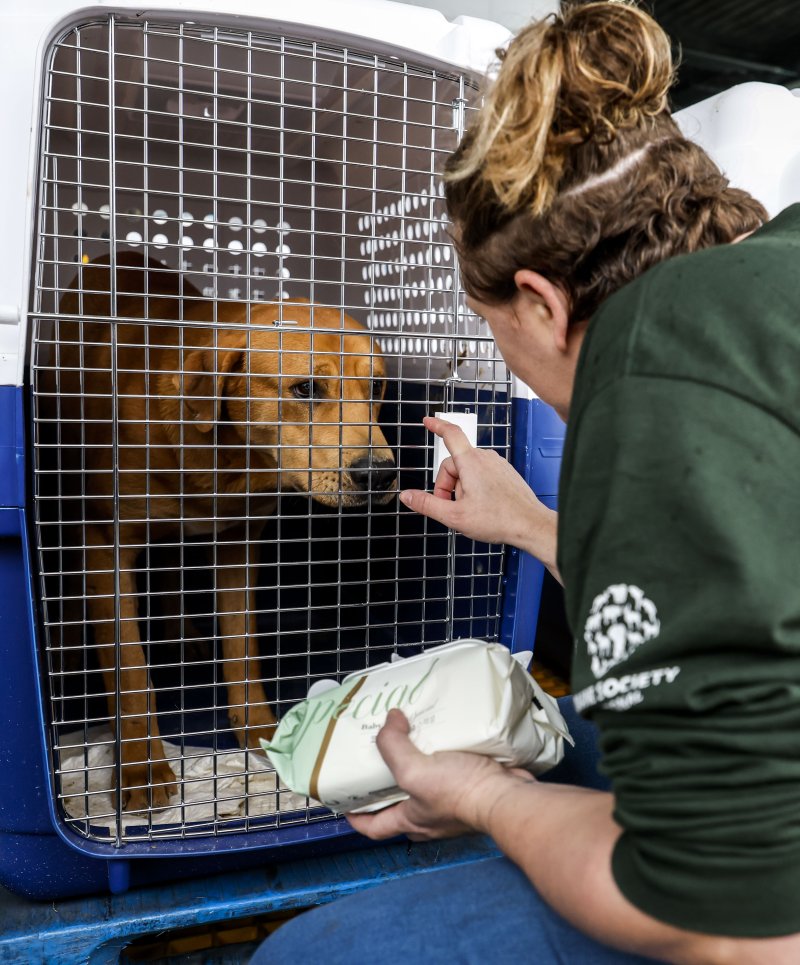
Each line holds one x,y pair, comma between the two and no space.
486,912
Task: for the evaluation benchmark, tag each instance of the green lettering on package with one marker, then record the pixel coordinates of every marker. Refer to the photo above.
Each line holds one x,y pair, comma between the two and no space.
359,704
395,696
294,748
417,690
376,704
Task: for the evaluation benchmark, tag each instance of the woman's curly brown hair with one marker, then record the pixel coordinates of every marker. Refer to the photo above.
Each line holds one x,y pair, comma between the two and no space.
578,96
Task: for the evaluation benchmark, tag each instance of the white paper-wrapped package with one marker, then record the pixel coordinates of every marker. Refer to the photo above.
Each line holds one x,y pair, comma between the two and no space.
464,696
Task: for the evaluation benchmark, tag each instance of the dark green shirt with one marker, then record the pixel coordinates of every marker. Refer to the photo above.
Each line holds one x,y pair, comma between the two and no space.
679,545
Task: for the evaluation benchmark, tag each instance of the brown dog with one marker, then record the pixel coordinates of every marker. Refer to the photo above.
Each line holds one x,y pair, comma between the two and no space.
210,421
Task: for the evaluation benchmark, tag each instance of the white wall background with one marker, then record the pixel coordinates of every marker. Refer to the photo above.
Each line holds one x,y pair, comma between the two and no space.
512,14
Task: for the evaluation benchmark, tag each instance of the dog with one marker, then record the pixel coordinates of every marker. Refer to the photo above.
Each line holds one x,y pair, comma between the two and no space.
216,412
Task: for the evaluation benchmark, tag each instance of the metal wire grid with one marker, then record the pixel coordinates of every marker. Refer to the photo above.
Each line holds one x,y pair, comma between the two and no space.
258,170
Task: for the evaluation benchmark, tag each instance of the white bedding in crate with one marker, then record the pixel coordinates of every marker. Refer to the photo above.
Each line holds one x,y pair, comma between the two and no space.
225,785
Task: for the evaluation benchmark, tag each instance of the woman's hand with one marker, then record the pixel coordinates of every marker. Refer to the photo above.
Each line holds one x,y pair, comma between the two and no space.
493,503
451,792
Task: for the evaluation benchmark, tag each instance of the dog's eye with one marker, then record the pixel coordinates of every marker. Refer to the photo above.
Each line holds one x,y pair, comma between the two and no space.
303,390
377,388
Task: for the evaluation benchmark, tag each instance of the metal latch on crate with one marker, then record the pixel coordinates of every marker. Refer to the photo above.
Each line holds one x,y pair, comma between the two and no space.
467,422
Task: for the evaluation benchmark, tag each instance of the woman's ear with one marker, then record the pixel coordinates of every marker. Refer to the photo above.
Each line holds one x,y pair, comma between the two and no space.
552,298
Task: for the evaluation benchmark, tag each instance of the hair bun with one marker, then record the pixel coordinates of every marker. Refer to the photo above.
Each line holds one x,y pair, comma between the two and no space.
581,75
617,65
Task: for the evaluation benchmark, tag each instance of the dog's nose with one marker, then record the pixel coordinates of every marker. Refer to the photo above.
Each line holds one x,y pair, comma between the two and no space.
378,475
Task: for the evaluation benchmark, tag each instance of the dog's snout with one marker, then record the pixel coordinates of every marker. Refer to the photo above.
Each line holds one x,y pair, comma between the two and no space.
373,474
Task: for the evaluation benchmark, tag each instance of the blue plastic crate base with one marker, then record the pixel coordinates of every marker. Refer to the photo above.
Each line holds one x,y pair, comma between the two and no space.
95,931
43,853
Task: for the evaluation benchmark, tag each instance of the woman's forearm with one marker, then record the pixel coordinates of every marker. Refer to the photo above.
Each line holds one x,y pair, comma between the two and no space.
564,845
538,535
561,836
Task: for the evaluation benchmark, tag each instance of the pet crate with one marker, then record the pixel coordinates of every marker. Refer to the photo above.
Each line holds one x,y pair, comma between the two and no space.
254,163
241,299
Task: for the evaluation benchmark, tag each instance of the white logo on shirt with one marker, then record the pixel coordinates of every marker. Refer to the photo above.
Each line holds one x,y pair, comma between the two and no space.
621,620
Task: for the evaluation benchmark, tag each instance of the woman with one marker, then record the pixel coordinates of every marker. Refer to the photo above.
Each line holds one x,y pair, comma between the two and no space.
572,197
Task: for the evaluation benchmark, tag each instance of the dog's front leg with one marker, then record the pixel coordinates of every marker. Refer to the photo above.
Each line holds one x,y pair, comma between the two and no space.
146,774
250,714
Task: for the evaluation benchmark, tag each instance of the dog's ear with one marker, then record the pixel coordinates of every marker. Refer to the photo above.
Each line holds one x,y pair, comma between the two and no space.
203,380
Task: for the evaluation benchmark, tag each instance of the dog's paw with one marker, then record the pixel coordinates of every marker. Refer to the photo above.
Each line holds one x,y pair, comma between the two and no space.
149,788
257,723
164,786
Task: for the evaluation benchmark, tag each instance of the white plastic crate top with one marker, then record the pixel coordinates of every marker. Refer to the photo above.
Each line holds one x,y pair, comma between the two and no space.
26,31
753,133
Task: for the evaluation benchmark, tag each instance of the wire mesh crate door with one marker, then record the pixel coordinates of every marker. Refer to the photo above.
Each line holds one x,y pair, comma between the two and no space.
245,302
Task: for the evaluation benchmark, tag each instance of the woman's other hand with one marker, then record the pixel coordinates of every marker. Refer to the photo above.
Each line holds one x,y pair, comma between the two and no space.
451,792
480,494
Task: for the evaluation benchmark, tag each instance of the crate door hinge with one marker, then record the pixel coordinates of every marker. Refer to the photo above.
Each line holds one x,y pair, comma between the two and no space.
459,114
